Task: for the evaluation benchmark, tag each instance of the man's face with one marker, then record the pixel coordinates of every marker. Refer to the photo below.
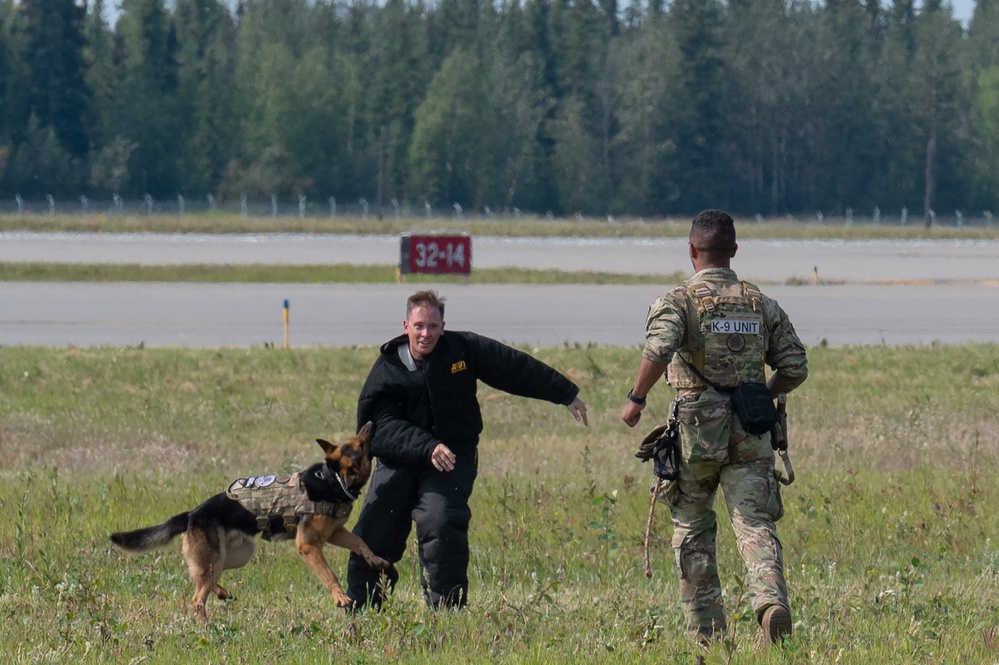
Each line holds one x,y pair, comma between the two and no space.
424,326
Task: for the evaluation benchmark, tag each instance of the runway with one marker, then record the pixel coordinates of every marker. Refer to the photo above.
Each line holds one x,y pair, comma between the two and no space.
762,260
901,293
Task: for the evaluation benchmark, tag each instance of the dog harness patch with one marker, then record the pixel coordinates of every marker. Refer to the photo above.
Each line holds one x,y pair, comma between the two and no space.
282,495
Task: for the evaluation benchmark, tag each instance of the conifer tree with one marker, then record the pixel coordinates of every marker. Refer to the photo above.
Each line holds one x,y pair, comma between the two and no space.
53,53
147,115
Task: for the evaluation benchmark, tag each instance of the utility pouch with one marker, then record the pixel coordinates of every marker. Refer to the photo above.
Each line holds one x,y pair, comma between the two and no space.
666,462
662,446
754,407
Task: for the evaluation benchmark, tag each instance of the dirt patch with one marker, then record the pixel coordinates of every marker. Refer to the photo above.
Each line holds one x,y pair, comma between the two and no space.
48,448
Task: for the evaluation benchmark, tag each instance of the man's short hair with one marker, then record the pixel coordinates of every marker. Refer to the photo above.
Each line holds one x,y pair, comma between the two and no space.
713,232
428,298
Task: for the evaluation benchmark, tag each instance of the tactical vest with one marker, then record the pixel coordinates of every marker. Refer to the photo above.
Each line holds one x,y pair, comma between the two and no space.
281,496
726,340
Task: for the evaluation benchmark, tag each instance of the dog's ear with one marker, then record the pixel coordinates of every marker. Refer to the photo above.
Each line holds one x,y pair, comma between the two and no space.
327,447
365,432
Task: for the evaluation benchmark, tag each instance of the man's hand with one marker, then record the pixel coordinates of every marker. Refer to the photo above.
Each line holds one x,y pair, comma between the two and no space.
578,410
632,413
649,372
442,458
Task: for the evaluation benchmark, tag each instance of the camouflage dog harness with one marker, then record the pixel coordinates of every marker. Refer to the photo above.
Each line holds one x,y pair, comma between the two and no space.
282,496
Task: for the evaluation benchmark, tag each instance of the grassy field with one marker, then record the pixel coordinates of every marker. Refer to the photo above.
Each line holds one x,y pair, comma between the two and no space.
679,227
889,537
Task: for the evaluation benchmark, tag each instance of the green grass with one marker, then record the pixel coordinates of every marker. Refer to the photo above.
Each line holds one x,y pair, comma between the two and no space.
318,274
889,534
624,227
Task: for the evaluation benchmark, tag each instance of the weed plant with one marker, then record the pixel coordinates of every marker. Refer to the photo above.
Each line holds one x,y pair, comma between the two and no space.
889,534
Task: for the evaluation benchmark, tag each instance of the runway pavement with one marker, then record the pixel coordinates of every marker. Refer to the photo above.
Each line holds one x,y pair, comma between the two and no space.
946,292
763,260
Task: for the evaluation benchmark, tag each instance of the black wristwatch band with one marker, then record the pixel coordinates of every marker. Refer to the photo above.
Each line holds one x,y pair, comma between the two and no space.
636,400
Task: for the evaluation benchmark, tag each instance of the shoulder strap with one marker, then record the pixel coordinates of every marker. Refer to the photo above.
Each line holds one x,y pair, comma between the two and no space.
752,292
702,295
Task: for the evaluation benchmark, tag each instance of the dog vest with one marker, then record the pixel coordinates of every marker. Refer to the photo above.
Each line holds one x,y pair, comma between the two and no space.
727,341
281,496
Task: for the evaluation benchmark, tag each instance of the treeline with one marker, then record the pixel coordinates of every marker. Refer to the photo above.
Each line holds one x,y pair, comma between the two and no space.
592,106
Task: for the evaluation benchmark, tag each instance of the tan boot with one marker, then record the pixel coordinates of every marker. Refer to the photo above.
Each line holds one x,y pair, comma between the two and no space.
776,625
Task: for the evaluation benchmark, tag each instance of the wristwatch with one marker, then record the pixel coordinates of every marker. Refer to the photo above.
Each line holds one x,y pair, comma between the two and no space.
636,400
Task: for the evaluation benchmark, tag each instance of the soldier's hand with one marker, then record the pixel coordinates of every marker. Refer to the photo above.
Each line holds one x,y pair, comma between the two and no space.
631,413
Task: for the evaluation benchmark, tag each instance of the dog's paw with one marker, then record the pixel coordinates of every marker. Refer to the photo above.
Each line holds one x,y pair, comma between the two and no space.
343,600
379,563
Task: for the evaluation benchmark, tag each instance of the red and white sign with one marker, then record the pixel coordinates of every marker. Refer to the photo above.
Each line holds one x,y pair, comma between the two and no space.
436,254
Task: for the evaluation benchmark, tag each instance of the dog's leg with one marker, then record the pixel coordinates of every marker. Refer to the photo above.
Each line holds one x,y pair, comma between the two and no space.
345,539
239,547
204,564
313,531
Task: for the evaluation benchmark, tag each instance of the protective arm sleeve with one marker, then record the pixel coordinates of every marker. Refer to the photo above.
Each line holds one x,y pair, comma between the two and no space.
515,372
395,437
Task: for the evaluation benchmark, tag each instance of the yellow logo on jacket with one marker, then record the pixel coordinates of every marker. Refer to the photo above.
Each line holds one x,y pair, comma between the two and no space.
459,366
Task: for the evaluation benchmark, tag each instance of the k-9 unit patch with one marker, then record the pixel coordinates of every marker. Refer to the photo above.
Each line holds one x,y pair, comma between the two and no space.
740,326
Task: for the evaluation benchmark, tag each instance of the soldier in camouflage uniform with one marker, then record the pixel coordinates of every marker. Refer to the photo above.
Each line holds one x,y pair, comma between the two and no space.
709,334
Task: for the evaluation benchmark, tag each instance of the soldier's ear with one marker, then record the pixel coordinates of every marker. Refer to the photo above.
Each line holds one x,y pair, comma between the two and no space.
735,248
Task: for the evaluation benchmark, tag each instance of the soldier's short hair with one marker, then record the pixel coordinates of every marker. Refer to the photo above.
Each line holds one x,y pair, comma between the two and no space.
428,298
713,232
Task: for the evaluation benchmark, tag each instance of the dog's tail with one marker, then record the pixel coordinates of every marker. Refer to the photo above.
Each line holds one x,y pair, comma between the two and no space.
143,540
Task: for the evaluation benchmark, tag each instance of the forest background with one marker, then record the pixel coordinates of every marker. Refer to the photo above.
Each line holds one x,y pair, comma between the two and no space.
601,107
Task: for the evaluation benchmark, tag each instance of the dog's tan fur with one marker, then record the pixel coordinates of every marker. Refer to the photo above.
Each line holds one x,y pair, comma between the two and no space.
213,542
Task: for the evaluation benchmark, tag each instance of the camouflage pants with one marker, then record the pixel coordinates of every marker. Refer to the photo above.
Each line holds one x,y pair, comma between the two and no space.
717,452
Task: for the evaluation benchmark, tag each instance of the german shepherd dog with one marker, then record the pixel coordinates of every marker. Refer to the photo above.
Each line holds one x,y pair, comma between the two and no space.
219,534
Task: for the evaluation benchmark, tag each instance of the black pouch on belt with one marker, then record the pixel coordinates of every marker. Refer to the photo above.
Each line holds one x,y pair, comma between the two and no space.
754,407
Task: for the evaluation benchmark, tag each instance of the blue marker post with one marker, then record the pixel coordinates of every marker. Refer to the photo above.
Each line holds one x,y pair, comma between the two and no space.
286,323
